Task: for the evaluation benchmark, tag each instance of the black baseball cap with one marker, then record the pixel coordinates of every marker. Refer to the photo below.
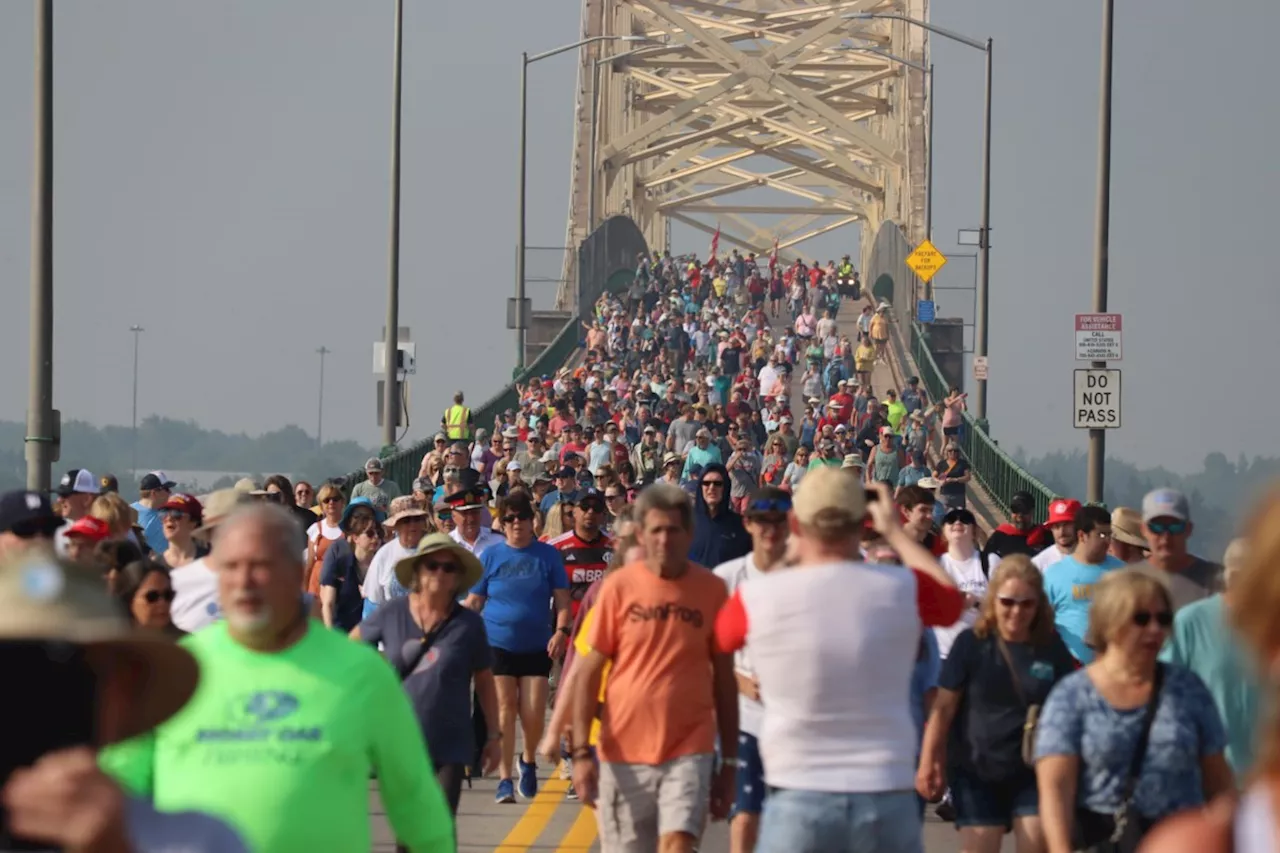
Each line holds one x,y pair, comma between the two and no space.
1022,502
27,514
109,483
156,480
592,497
77,481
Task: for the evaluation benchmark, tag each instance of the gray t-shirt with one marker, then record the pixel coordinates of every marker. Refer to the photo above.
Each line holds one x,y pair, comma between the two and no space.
683,431
439,683
744,474
1199,580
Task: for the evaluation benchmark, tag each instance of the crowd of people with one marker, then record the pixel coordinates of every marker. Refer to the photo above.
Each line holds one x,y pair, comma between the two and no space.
756,581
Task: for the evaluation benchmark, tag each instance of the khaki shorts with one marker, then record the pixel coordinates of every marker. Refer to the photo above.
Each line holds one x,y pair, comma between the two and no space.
640,803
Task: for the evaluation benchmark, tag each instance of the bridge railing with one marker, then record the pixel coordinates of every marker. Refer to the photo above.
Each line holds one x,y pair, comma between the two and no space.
606,263
994,469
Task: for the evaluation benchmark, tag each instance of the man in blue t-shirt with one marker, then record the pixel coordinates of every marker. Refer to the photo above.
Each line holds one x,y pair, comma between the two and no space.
153,491
1069,582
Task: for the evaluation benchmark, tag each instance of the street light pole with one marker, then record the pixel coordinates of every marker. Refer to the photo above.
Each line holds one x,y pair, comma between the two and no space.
984,250
133,456
1102,240
391,392
526,60
928,167
40,437
323,351
521,320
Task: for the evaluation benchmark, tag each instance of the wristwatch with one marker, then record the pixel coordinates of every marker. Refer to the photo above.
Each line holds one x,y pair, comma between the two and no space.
564,631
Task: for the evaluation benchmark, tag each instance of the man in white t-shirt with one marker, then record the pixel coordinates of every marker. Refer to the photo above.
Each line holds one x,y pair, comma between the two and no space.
1062,524
380,585
195,585
833,642
766,514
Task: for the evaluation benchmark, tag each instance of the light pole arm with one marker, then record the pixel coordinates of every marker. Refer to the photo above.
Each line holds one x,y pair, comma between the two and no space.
933,28
546,54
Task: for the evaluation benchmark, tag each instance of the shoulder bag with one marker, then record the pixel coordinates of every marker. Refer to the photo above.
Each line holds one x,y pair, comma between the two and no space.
1121,832
1033,711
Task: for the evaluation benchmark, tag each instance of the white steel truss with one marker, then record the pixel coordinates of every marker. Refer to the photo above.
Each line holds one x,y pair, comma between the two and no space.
730,97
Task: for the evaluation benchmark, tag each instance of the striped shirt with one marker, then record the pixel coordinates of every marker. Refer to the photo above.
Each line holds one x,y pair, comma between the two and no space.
584,561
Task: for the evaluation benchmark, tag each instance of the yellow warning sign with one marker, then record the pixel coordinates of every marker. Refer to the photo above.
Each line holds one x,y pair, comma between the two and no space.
926,260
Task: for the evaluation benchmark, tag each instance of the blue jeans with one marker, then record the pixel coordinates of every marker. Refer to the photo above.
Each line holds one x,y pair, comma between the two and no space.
823,822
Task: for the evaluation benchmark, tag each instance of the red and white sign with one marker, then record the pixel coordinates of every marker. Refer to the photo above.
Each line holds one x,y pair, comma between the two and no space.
1099,337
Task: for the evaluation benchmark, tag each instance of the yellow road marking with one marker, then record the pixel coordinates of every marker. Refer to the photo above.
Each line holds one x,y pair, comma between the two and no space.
535,818
581,835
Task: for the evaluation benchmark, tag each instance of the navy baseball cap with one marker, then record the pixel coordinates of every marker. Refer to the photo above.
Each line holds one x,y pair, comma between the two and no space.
27,514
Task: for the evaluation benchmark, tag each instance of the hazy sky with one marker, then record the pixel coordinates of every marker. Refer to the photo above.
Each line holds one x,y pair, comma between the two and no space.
222,180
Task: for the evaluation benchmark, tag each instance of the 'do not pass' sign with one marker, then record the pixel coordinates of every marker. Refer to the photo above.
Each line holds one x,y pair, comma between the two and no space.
1096,402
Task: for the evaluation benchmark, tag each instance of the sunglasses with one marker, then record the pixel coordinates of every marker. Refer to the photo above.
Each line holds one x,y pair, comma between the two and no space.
1020,603
514,517
333,499
370,532
713,484
446,566
1173,528
175,514
445,515
1142,618
770,505
591,506
152,596
959,517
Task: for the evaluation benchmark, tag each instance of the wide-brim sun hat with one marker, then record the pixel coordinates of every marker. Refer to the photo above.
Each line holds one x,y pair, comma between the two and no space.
217,506
406,568
356,503
46,599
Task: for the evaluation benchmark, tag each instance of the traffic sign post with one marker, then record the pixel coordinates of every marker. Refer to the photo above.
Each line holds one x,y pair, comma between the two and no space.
925,261
980,368
926,310
1096,401
1099,337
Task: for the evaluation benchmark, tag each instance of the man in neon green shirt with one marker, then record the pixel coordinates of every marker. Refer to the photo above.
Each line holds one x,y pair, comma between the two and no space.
897,411
289,718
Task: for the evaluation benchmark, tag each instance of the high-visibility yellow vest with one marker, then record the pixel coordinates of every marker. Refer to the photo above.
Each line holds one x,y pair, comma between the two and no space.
455,421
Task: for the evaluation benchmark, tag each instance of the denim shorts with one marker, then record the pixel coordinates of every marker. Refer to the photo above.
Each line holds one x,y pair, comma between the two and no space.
981,803
821,822
749,798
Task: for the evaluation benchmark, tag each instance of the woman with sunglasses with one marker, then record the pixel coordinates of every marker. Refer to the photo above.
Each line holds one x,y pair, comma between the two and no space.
180,515
145,590
326,530
1126,733
438,647
996,671
967,568
520,576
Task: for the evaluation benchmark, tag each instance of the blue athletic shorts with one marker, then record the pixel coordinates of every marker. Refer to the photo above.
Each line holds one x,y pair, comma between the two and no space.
750,785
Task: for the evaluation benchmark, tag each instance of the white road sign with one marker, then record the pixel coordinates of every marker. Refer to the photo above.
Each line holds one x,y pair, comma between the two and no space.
980,367
1096,403
1099,337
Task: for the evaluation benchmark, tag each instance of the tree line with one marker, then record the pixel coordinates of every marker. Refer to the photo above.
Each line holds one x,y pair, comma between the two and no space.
174,445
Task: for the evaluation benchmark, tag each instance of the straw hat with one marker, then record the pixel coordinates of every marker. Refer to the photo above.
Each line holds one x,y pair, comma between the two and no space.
1126,526
218,506
44,598
407,567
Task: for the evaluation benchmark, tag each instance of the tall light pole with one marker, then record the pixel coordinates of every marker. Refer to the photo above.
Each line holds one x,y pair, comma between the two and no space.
391,392
41,420
984,238
323,351
521,321
133,455
1102,239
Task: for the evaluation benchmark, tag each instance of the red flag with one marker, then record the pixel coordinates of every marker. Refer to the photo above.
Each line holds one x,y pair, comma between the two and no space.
773,258
715,243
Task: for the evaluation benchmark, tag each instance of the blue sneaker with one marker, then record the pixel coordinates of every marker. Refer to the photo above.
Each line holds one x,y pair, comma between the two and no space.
506,792
528,779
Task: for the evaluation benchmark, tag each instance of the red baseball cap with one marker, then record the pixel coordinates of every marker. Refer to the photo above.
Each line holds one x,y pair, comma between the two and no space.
1062,510
186,504
93,529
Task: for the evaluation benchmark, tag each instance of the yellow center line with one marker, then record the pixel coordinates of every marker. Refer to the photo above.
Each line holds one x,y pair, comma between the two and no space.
581,835
535,818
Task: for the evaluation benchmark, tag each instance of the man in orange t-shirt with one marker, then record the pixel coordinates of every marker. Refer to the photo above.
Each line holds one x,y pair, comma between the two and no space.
668,692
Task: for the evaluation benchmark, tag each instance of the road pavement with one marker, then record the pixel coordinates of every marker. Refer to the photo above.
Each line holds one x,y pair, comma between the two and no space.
551,823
